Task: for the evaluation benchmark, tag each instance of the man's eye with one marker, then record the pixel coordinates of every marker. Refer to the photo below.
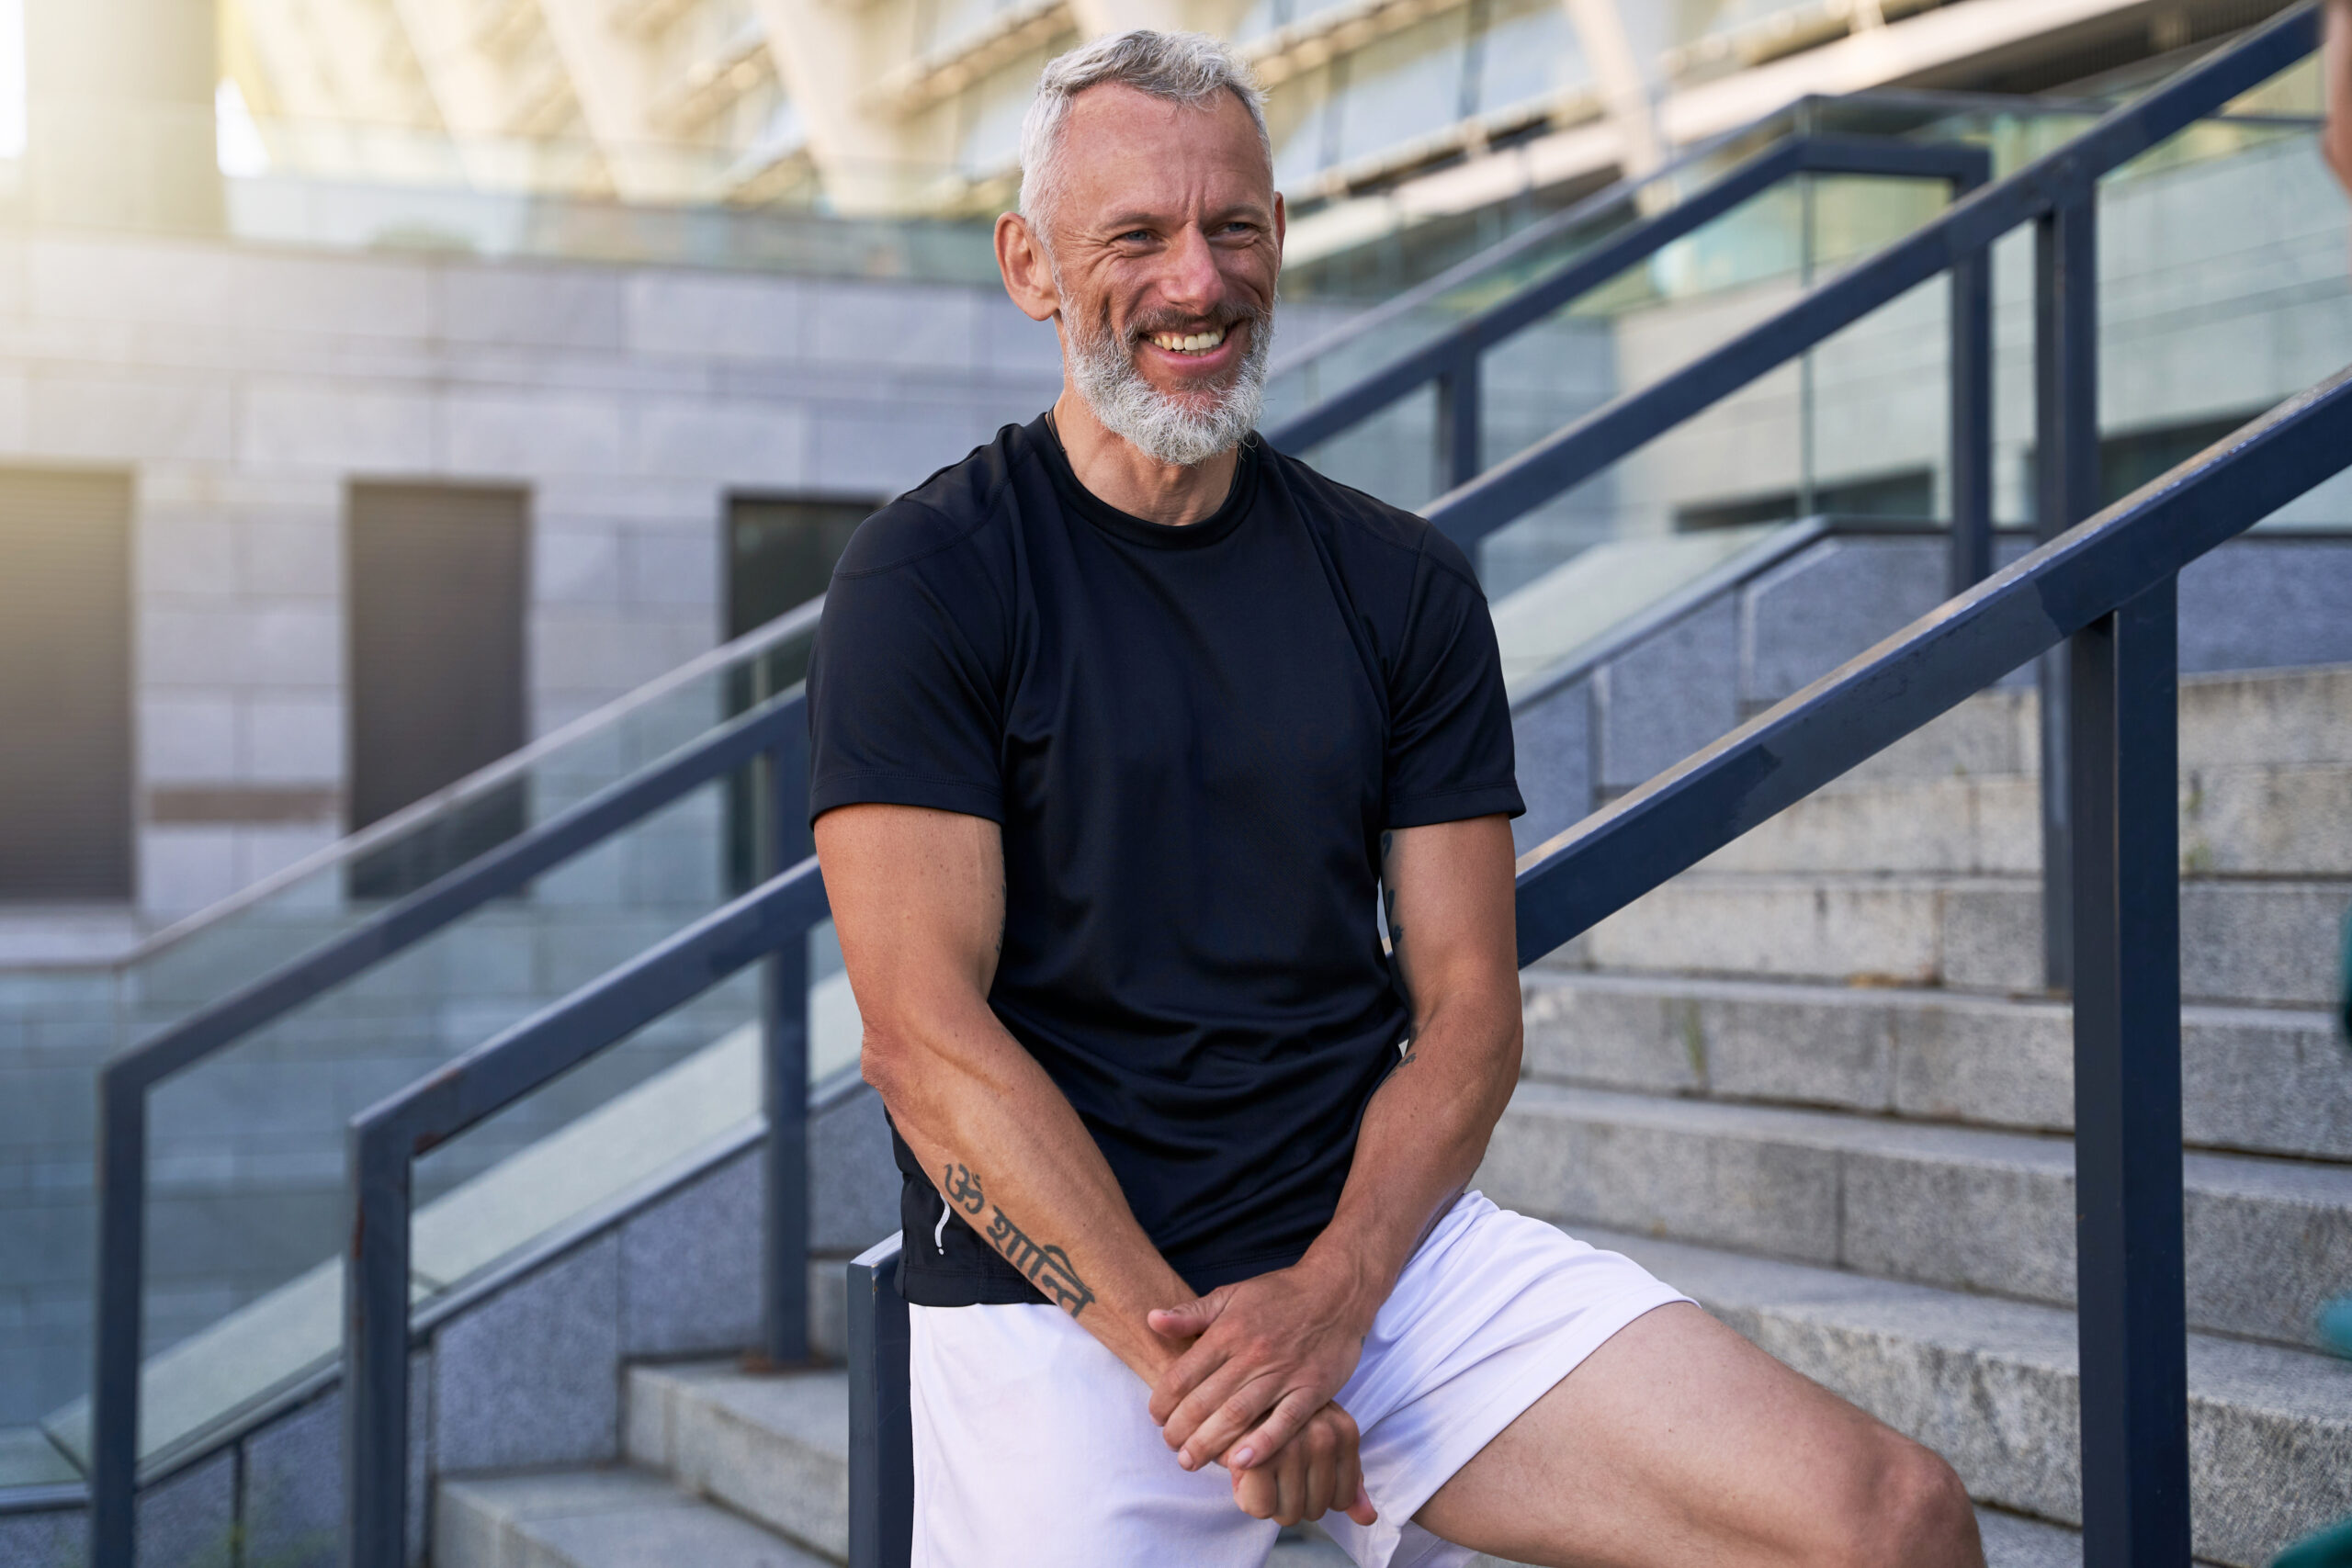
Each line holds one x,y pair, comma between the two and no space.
1141,235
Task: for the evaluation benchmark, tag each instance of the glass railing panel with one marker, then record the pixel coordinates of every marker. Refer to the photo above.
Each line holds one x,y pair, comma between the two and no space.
247,1146
2225,285
246,1207
365,185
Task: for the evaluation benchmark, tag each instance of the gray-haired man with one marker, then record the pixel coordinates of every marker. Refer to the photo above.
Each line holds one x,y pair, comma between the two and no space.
1120,726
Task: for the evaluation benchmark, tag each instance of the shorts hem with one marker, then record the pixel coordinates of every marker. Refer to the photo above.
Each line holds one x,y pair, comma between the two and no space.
1552,1359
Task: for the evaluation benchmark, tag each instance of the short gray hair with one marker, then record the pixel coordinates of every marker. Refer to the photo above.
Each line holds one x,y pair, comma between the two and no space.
1183,68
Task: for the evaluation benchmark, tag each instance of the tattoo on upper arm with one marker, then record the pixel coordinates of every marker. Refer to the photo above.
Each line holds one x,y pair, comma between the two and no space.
1045,1266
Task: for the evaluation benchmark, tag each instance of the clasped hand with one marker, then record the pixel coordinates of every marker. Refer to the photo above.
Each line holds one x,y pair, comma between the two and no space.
1254,1392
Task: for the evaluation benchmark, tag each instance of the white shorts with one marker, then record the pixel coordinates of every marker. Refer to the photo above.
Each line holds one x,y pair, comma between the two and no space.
1033,1445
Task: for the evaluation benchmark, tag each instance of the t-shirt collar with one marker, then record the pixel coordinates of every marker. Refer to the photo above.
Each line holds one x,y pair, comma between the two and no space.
1142,531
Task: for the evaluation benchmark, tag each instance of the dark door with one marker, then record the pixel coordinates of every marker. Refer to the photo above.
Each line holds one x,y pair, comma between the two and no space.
64,686
435,602
780,555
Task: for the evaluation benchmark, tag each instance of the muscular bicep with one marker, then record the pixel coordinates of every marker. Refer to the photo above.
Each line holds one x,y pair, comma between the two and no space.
918,899
1451,922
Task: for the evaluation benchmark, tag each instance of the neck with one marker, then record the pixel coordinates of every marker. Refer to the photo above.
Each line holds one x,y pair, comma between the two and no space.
1108,465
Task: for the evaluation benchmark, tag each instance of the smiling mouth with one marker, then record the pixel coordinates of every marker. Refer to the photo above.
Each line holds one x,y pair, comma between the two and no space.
1190,342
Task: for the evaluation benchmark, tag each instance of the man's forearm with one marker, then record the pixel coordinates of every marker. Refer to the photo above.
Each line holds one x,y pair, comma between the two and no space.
2336,72
1422,1139
1014,1162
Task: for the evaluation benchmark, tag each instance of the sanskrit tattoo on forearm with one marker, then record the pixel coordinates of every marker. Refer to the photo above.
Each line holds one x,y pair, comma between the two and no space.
1045,1266
963,1189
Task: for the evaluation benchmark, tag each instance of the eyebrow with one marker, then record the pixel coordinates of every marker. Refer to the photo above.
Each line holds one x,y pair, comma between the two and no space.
1139,220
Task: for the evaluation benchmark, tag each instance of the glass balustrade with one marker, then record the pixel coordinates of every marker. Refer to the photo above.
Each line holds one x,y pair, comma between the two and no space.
245,1207
2228,237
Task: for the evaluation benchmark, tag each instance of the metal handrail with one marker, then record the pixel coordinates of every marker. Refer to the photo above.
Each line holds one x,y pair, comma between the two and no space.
1600,865
2058,193
800,621
1625,193
2060,184
1451,359
387,1138
776,731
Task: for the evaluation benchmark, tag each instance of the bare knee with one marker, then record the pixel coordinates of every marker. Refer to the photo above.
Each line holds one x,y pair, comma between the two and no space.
1910,1510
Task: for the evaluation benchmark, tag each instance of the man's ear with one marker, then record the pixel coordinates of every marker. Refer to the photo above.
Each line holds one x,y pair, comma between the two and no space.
1027,275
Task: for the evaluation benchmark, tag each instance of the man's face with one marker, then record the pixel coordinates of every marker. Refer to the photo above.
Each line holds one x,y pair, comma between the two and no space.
1166,239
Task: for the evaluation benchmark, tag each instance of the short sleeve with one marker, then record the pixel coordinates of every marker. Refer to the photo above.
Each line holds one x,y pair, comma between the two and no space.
905,689
1449,744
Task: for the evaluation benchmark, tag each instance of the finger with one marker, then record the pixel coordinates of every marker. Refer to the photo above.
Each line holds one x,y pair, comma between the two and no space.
1290,1485
1228,1404
1322,1443
1348,1489
1282,1424
1189,1320
1181,1380
1254,1494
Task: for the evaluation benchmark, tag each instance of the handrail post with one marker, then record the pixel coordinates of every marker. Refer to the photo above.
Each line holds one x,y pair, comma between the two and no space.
2130,1285
784,1078
375,1351
1458,419
881,1426
1971,423
2066,349
121,1293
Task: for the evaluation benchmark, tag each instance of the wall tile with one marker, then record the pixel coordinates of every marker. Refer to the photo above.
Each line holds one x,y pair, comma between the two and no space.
531,1377
700,313
294,739
188,735
344,424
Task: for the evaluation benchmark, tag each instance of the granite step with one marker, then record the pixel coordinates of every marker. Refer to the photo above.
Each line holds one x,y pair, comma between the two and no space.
2262,942
2279,718
606,1517
773,1447
1991,1385
1965,1208
2261,1080
2235,820
628,1518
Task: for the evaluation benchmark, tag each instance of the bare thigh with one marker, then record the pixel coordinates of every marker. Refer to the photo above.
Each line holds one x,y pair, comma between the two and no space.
1680,1442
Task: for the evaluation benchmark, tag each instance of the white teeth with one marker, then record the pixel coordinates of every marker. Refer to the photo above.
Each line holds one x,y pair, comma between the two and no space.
1195,342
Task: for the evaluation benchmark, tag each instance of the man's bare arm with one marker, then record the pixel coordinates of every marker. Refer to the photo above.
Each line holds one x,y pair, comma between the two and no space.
1272,1349
2335,71
918,897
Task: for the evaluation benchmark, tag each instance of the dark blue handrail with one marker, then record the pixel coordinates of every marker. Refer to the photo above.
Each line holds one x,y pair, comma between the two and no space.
2065,179
387,1138
1451,360
775,730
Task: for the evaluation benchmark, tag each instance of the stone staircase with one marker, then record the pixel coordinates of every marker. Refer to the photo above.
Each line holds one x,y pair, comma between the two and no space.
1817,1084
1814,1083
728,1468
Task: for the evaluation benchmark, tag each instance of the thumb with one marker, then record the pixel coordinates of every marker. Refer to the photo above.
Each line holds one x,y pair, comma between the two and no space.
1361,1510
1189,1320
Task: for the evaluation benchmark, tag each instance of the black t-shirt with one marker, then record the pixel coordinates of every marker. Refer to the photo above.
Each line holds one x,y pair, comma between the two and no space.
1193,738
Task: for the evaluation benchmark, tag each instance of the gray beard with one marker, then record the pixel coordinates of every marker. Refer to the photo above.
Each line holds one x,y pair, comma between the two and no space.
1104,371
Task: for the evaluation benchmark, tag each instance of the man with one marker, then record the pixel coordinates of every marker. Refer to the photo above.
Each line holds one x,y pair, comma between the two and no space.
2335,71
1122,725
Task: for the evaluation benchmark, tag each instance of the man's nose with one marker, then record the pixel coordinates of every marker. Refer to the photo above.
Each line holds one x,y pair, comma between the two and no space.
1192,281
